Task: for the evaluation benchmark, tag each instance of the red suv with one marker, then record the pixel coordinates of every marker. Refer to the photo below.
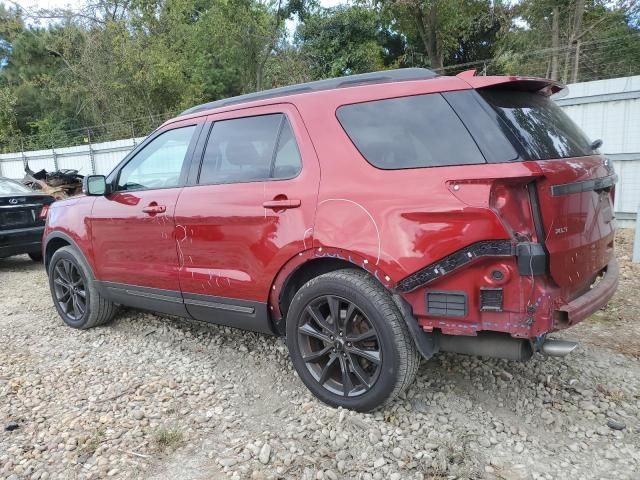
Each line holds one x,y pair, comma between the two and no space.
372,220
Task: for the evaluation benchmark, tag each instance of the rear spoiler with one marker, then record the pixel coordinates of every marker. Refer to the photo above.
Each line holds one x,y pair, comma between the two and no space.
542,86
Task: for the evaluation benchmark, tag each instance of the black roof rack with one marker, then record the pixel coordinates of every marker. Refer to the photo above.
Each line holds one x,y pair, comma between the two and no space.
385,76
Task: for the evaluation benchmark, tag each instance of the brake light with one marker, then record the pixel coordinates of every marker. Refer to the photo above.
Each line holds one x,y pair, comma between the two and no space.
510,199
44,212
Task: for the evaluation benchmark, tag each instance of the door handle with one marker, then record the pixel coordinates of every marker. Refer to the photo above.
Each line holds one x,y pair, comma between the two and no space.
153,209
281,204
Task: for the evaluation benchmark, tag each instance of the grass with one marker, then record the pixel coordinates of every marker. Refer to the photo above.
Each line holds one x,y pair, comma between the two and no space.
92,443
167,438
616,396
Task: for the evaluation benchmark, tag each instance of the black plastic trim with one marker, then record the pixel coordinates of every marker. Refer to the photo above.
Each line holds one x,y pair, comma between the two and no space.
144,298
443,303
424,342
595,184
232,312
491,299
398,75
70,241
243,314
486,248
532,258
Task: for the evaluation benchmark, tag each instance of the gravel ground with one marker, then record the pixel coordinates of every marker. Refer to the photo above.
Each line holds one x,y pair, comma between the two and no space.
155,397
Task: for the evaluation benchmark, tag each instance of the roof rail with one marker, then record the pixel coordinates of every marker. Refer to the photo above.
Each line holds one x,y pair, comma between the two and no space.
385,76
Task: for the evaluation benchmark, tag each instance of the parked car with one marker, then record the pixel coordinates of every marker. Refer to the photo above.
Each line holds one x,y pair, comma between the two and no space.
22,219
373,220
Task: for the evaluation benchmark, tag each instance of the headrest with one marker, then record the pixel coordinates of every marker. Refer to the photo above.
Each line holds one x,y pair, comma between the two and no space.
242,153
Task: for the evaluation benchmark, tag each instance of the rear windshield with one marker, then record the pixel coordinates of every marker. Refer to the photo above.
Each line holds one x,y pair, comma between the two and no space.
409,132
537,124
8,187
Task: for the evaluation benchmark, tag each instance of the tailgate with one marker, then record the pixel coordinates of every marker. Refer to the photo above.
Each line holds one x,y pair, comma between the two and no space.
576,205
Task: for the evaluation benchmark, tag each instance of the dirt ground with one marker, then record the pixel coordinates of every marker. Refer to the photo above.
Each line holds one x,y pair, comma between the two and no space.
155,397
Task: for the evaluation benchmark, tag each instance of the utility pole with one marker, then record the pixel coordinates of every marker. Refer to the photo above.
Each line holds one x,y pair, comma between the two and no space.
555,42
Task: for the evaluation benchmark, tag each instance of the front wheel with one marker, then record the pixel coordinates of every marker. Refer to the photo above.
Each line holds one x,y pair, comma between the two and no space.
74,292
348,341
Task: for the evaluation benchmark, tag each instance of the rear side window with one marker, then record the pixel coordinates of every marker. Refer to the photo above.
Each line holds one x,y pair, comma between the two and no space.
250,149
409,132
537,125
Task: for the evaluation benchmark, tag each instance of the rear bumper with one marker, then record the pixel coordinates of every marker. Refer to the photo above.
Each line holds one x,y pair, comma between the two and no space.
592,301
21,240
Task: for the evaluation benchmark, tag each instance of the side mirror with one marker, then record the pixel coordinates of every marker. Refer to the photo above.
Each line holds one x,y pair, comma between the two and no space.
95,185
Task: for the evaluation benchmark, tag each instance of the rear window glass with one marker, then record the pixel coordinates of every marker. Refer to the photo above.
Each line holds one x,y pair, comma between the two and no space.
8,187
537,124
409,132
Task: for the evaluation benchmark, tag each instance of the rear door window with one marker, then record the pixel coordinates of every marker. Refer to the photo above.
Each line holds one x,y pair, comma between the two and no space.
536,125
409,132
250,149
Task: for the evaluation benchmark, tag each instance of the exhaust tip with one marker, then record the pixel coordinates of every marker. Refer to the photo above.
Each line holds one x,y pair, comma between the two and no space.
558,348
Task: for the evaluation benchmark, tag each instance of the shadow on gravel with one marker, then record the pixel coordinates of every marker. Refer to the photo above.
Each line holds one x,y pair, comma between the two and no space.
20,263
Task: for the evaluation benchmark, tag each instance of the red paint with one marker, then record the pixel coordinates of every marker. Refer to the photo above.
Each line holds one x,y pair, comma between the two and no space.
244,240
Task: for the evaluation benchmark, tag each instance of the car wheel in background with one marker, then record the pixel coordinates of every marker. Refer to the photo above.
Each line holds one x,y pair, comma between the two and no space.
35,256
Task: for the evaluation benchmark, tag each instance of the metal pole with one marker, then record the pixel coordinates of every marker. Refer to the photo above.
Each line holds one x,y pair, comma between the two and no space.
133,135
93,160
24,157
636,240
55,157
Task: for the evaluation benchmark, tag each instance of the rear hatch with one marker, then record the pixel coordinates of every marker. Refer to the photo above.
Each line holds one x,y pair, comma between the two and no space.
573,196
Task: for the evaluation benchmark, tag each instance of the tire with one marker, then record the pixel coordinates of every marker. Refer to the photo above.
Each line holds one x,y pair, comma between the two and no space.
35,256
322,350
84,307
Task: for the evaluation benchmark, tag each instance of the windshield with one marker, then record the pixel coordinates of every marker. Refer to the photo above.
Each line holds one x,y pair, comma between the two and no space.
537,125
7,187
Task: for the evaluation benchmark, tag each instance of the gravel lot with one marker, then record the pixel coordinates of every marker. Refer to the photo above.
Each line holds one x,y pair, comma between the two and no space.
155,397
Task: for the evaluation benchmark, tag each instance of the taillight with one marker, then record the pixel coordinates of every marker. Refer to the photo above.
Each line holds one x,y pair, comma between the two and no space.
44,212
510,199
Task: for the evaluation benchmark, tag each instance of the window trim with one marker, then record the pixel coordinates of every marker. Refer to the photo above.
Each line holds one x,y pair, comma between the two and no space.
198,163
368,162
114,176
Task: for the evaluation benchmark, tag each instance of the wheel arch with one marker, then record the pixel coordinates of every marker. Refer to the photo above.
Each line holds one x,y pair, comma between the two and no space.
309,264
57,240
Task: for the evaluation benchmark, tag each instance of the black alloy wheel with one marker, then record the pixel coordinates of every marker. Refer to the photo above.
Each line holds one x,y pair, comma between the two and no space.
69,290
75,292
340,346
349,342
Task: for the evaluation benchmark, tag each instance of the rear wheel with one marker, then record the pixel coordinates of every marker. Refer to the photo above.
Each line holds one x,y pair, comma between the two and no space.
74,293
348,341
35,256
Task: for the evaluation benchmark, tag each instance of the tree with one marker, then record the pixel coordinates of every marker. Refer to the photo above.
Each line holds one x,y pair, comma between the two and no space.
441,29
341,41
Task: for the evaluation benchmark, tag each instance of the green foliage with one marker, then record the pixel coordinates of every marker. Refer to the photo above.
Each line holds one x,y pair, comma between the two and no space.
341,41
120,68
